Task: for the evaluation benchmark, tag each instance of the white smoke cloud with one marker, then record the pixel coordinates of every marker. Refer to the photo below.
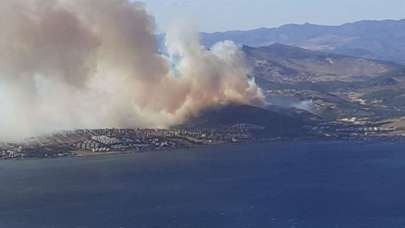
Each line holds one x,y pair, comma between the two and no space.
68,64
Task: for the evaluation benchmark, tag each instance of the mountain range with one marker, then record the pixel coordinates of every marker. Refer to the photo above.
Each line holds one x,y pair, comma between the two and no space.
383,40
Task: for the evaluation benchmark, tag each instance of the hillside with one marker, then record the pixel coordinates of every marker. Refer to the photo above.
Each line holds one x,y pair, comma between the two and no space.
271,121
280,62
330,85
307,88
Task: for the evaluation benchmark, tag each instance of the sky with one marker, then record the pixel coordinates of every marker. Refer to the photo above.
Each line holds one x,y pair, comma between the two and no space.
223,15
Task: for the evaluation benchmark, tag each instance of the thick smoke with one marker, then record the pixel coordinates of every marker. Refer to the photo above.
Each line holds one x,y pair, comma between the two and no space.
68,64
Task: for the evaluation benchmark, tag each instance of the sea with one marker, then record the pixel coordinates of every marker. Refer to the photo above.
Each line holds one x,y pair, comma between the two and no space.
295,184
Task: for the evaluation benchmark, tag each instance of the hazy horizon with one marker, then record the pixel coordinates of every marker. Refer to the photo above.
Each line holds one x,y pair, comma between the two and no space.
224,15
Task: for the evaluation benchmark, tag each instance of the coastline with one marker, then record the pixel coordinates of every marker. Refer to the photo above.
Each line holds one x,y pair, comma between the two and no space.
196,147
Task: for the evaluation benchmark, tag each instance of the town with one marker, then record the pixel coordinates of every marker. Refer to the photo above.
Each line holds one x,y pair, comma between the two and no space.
86,142
102,141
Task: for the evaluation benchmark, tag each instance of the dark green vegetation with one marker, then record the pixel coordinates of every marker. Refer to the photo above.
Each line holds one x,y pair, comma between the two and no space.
269,122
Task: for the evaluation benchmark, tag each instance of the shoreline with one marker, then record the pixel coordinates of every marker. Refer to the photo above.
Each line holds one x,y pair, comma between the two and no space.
76,154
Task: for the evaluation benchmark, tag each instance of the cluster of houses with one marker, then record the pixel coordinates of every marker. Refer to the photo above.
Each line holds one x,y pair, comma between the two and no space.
134,140
115,140
90,145
344,130
10,152
154,139
364,130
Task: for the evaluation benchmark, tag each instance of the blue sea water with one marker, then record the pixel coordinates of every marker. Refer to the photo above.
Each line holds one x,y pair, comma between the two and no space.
284,184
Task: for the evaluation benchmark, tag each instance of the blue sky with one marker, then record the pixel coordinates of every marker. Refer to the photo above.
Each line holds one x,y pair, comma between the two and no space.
220,15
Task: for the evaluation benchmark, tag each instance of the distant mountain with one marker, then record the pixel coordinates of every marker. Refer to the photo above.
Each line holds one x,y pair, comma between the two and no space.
384,40
280,63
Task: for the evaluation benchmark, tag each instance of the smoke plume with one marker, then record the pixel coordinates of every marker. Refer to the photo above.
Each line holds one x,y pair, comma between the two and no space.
67,64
